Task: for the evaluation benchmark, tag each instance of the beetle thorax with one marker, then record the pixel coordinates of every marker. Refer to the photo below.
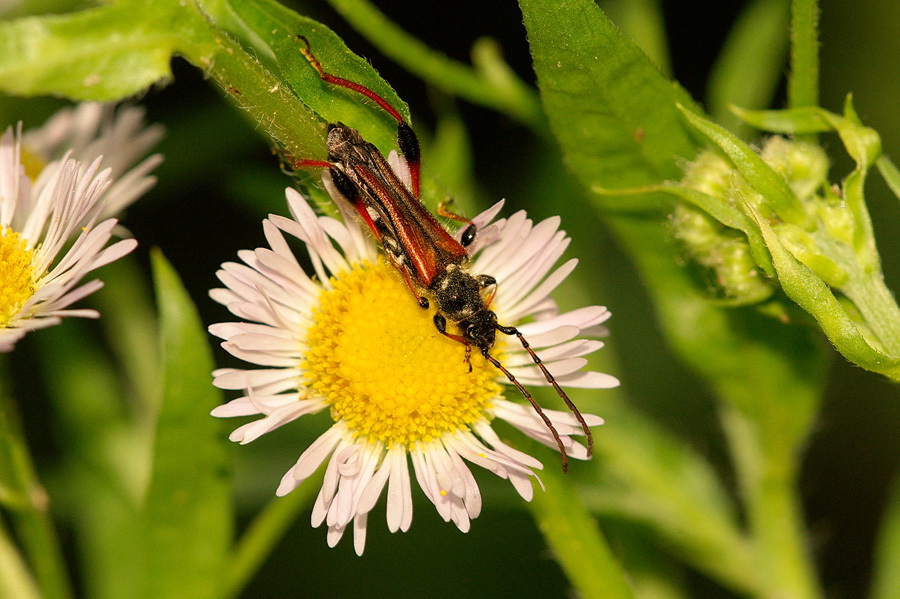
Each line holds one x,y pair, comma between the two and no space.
457,293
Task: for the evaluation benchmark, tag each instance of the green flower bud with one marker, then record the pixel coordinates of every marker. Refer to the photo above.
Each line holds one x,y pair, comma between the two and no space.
814,239
723,254
838,221
739,276
804,166
710,173
806,249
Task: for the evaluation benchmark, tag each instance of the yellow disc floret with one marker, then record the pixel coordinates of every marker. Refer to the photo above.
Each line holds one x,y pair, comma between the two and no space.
388,374
16,274
32,163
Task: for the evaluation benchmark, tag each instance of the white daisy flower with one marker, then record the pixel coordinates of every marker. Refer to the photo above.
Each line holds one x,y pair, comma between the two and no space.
115,133
351,339
39,267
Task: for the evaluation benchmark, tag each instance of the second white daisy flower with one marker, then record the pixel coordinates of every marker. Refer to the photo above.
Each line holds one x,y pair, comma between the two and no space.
49,240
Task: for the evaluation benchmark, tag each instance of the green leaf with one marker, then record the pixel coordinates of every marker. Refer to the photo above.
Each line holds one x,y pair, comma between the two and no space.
886,579
130,326
277,28
187,513
578,544
643,21
751,62
106,451
862,143
890,173
618,125
612,111
105,53
649,476
796,121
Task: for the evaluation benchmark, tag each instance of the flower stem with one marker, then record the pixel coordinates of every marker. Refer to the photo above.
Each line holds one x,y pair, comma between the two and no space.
577,543
767,468
803,83
268,103
496,87
264,532
26,500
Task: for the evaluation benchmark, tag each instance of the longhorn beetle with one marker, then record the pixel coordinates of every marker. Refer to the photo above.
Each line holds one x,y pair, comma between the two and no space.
432,262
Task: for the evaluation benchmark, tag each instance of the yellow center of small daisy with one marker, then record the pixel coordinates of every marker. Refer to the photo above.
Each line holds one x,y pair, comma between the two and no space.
32,163
387,372
16,274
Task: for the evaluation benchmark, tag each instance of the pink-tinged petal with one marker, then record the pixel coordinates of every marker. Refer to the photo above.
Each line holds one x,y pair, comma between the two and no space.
359,533
334,535
310,460
569,349
402,479
374,488
399,495
483,219
558,368
582,318
525,306
401,168
546,339
589,380
244,379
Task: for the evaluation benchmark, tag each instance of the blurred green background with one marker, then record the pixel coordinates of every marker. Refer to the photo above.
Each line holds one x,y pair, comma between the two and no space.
220,179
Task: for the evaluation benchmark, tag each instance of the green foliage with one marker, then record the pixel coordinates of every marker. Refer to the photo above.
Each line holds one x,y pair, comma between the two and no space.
490,83
186,515
886,581
821,244
750,64
116,55
275,30
145,475
612,136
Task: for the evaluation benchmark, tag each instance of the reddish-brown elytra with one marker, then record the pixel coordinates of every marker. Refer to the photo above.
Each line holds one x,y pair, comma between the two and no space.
432,262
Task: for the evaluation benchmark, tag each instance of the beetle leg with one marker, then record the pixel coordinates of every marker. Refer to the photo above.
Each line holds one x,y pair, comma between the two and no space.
440,323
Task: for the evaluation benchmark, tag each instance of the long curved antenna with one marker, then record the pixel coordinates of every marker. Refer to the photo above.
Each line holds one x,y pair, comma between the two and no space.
406,137
552,381
534,404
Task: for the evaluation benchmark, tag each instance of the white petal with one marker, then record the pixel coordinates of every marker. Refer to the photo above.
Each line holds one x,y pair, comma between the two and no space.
310,460
359,533
581,318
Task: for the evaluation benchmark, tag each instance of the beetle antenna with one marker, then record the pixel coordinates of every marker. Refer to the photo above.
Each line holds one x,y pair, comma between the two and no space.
406,137
534,404
559,391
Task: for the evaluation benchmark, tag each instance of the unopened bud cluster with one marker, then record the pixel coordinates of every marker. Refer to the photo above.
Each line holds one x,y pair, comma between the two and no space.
723,253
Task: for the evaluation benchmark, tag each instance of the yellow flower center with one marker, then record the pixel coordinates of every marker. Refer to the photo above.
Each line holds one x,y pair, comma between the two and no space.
32,163
16,274
377,357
